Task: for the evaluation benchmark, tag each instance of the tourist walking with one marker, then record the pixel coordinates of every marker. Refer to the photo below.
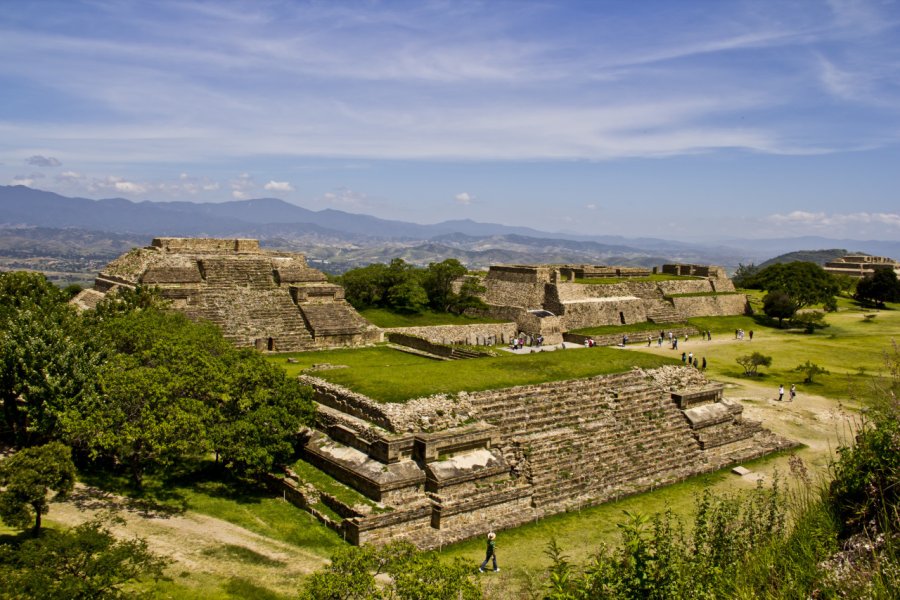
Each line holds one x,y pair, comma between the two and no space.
491,553
751,335
683,358
703,368
793,391
780,392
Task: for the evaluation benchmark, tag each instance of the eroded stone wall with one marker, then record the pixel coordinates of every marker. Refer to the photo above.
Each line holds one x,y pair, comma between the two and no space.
711,306
473,334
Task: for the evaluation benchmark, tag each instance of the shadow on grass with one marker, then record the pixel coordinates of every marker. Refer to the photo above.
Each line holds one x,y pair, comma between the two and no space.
164,493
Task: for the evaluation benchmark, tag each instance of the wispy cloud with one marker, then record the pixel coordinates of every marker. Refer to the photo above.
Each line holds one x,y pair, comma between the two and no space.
464,198
278,186
42,161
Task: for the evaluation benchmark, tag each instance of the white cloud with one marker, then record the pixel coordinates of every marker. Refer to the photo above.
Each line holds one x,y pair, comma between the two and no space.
464,198
23,180
242,186
821,220
43,161
279,186
347,198
591,206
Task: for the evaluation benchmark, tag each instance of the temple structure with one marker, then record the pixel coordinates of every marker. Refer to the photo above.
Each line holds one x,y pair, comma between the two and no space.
860,265
269,300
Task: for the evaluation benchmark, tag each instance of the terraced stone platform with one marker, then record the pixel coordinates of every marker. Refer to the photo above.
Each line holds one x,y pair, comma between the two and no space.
500,458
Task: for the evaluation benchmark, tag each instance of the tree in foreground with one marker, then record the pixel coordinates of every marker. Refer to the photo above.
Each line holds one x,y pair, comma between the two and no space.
86,562
28,476
752,362
354,575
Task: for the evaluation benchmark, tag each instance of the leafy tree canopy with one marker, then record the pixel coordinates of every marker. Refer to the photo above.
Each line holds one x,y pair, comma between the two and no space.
26,478
46,358
879,287
778,305
84,562
805,283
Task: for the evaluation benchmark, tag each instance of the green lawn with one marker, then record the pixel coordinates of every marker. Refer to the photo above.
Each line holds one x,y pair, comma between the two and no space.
850,348
385,318
388,375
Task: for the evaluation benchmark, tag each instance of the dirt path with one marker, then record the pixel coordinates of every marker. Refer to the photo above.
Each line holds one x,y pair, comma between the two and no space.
196,543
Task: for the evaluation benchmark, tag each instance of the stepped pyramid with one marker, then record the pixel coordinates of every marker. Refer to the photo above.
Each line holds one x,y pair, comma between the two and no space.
259,298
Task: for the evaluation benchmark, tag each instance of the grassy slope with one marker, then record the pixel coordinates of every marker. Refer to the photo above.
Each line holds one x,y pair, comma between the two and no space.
388,375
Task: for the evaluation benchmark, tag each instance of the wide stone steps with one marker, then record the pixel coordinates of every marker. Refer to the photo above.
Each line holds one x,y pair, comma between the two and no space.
332,318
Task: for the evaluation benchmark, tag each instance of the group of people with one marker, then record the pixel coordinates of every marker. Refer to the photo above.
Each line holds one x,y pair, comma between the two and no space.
793,392
690,360
739,334
521,340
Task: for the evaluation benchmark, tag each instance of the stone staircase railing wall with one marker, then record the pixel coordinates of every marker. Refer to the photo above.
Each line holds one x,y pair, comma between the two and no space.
428,347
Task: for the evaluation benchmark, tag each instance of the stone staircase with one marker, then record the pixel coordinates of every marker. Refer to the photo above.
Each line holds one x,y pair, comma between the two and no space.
660,311
571,456
333,318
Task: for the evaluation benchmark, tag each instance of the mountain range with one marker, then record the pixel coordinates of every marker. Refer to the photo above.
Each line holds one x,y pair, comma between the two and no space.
36,221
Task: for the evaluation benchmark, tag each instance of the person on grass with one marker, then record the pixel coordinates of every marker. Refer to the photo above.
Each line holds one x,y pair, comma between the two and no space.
491,553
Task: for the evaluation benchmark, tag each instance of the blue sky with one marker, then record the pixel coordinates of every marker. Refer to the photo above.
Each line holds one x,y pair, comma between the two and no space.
675,119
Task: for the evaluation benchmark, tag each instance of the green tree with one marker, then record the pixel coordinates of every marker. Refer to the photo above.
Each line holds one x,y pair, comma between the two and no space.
778,305
879,287
156,390
744,276
810,370
47,361
809,320
28,476
256,421
83,563
752,362
805,283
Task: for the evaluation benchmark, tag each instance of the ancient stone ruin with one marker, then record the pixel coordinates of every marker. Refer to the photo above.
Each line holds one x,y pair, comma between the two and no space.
446,468
547,300
860,265
268,300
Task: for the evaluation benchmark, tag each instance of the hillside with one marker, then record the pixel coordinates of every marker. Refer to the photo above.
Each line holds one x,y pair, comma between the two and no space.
820,257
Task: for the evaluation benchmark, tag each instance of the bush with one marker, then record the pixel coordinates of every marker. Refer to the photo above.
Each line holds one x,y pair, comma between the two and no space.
752,362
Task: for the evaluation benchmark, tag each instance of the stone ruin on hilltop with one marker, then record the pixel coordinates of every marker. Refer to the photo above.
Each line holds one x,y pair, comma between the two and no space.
264,299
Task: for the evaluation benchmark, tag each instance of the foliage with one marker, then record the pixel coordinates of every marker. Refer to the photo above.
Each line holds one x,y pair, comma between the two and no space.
810,370
778,305
172,388
809,320
46,358
879,287
353,574
27,476
743,276
84,562
752,362
658,560
805,283
866,478
409,289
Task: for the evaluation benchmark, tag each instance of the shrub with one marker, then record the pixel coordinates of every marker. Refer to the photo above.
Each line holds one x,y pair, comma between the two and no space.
752,362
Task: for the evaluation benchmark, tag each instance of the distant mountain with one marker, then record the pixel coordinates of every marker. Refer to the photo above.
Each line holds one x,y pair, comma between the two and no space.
820,257
343,238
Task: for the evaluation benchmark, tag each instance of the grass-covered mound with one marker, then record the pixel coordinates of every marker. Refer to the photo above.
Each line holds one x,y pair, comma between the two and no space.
388,375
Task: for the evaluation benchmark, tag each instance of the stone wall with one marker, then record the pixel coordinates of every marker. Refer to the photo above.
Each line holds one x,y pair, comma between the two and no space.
685,286
634,337
472,335
711,306
205,245
578,314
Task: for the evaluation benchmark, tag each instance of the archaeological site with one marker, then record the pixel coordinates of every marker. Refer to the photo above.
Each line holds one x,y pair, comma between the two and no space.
446,467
